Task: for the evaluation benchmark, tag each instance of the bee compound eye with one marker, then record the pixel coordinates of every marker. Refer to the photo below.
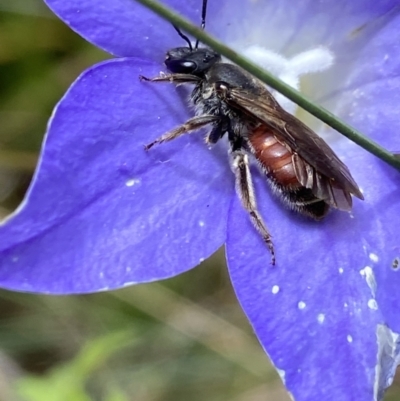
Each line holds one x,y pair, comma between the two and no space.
180,66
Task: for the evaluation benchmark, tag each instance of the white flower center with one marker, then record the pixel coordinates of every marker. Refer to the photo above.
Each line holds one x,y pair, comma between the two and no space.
290,70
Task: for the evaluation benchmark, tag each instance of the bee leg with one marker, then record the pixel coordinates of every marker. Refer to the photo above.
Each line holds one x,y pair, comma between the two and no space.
175,78
245,190
190,125
217,132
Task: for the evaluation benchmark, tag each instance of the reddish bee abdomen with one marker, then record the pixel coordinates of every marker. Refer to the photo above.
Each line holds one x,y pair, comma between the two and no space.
276,159
273,156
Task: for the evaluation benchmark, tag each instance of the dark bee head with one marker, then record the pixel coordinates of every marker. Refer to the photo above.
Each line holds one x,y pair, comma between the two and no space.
189,60
183,60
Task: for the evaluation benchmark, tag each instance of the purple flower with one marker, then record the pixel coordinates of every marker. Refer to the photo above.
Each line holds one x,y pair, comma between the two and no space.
102,213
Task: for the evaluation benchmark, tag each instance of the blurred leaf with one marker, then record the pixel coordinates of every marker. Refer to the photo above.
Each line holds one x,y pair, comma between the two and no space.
67,382
29,7
116,395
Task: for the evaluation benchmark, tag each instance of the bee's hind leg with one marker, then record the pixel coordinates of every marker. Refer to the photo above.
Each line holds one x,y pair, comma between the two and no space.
245,190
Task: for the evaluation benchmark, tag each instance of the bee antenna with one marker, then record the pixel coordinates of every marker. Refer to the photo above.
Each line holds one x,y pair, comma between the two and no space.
184,37
203,20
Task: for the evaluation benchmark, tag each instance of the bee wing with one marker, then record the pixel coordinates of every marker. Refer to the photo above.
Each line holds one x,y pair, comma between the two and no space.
316,165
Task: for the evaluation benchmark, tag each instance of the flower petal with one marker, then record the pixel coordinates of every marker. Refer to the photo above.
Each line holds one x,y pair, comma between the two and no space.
124,27
332,300
372,105
279,26
314,313
103,213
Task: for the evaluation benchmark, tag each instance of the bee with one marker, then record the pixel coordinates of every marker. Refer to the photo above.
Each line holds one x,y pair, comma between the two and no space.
302,170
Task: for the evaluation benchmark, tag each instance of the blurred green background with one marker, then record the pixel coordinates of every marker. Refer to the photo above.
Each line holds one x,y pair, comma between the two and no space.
179,340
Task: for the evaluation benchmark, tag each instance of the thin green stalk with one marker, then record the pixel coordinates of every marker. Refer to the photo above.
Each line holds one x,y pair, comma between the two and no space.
274,82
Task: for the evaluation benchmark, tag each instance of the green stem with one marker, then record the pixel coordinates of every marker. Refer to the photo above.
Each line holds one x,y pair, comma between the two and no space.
274,82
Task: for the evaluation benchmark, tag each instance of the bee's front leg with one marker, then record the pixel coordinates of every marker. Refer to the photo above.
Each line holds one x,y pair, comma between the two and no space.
192,124
173,78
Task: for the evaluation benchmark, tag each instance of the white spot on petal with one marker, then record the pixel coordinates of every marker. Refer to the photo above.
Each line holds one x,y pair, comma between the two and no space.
321,318
132,181
374,257
349,338
372,304
275,289
301,305
341,270
368,273
201,223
